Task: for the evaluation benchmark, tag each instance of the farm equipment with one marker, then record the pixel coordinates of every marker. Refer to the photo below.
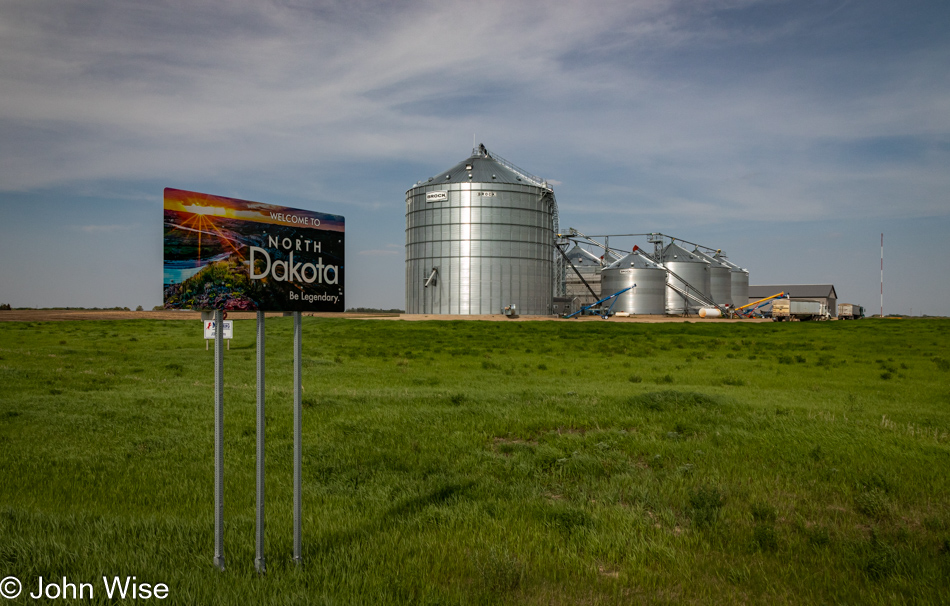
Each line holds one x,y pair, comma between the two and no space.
601,313
750,310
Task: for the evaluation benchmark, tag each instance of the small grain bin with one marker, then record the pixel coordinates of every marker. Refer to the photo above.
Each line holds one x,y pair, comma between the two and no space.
649,294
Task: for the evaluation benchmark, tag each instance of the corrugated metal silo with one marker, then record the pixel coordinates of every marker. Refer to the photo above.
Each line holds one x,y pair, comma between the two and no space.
689,268
480,237
740,281
720,280
649,295
588,265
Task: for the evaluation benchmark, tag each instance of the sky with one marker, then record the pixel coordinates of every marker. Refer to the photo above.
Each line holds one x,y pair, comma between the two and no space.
790,134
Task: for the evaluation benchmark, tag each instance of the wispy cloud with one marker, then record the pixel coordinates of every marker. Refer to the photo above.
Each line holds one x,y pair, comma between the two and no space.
687,95
98,229
391,249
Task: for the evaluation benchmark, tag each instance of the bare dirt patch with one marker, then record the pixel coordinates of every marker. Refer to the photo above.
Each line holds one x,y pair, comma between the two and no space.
52,315
504,318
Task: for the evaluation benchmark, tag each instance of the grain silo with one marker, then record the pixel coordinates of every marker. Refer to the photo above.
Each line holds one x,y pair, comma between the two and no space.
740,281
585,267
480,238
691,274
720,279
647,282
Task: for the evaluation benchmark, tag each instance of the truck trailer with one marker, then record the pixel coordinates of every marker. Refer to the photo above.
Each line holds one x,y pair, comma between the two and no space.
786,310
850,311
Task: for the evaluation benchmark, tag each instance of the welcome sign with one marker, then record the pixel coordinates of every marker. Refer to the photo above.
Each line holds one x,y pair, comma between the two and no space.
230,254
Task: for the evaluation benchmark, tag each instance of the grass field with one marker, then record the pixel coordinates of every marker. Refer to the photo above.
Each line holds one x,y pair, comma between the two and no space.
488,463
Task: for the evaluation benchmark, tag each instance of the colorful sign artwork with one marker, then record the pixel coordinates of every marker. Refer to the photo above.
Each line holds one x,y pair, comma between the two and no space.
224,253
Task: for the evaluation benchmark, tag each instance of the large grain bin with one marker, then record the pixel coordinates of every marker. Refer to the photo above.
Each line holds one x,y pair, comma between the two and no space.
689,268
648,296
720,280
479,238
740,281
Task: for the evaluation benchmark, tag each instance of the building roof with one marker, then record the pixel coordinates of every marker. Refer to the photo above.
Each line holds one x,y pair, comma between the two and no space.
812,291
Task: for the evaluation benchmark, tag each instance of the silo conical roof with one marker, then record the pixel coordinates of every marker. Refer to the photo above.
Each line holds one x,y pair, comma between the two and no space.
673,253
722,257
713,261
579,256
481,167
636,260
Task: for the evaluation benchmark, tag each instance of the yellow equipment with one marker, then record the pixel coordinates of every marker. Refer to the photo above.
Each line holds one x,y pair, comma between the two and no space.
756,304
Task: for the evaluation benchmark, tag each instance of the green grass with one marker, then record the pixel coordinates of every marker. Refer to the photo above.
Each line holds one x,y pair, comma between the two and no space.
489,463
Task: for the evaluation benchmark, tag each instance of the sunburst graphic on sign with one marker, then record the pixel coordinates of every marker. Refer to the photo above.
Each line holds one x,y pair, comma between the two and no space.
200,224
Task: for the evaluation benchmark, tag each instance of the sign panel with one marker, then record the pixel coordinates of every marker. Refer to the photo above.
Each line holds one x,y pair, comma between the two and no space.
437,196
227,327
230,254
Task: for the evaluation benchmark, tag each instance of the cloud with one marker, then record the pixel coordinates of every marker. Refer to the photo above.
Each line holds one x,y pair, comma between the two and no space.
97,229
676,102
390,249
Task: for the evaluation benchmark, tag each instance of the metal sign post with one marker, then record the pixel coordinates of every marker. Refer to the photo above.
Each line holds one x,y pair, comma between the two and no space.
219,439
259,562
298,406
